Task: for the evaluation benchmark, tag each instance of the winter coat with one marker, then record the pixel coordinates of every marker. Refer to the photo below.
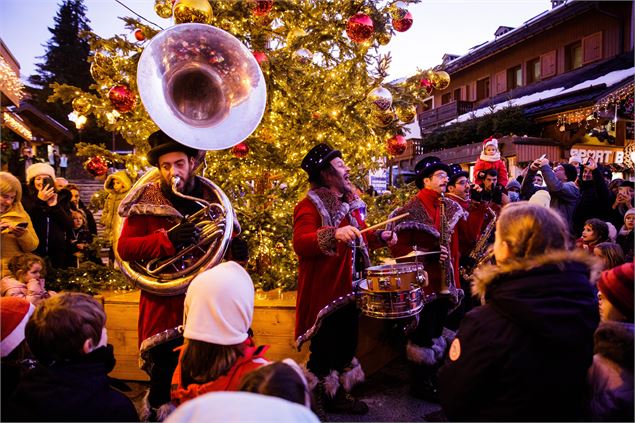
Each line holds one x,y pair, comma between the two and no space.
498,166
74,390
109,215
611,375
252,358
626,240
524,354
51,224
594,201
325,269
11,246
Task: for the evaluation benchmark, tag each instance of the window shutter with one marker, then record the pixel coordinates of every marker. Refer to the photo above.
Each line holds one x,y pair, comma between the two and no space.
500,82
592,48
548,64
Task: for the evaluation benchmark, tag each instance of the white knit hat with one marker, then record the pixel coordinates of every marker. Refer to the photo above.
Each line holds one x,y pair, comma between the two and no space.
490,141
219,305
541,197
575,158
39,169
14,313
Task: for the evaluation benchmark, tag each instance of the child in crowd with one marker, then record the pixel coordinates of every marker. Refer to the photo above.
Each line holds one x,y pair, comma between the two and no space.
490,159
67,336
625,235
283,379
117,186
79,238
26,279
16,356
218,351
594,232
610,253
611,375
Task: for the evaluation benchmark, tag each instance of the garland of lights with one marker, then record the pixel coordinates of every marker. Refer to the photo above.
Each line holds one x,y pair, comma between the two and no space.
9,80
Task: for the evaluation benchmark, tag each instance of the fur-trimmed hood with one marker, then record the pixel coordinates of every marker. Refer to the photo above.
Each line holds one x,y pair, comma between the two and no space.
550,295
614,340
122,176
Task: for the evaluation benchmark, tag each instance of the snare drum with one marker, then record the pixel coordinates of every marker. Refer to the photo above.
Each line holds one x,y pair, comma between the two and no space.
388,304
396,277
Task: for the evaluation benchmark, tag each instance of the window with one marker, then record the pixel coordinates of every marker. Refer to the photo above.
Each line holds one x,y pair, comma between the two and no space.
482,89
573,56
533,70
446,98
457,94
514,77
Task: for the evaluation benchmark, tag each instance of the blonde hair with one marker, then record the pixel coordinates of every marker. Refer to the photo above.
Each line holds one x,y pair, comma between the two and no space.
531,230
22,263
9,183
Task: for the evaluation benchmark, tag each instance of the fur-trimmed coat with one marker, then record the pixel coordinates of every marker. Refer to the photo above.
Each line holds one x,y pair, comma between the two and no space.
611,375
325,269
524,354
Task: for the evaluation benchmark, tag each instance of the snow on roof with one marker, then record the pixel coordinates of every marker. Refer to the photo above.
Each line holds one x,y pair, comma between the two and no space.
609,79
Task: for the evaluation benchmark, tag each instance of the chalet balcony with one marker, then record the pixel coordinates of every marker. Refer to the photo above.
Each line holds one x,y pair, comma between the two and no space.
431,119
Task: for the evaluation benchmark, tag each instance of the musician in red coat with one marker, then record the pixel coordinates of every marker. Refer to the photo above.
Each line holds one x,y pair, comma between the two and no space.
423,229
326,223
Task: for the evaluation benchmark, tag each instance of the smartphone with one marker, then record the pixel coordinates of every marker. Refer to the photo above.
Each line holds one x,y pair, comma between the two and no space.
22,224
49,182
543,156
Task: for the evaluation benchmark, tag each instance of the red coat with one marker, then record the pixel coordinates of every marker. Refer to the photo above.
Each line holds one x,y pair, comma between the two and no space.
325,269
499,166
470,230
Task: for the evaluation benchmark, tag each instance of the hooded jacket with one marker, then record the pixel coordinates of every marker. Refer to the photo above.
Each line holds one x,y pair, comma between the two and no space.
10,245
109,215
524,354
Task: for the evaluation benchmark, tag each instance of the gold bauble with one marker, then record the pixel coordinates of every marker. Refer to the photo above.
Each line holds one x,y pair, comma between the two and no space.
81,105
383,118
379,99
440,80
192,11
406,113
294,34
383,38
163,8
398,10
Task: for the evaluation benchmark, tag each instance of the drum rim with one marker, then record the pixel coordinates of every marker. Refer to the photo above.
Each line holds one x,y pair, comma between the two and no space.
392,269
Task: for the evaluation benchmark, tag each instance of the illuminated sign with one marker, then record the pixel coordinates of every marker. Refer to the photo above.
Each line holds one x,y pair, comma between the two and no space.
600,154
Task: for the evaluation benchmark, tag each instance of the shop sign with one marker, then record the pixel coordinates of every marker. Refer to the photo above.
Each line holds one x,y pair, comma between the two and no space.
606,155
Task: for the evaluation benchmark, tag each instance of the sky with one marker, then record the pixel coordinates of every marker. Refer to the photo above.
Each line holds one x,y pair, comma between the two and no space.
440,26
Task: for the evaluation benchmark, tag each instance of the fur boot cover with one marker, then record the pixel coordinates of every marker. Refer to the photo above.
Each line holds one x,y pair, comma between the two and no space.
352,375
160,413
311,379
434,354
331,384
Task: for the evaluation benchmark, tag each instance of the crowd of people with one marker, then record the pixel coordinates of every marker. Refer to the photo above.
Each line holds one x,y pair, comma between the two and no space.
527,310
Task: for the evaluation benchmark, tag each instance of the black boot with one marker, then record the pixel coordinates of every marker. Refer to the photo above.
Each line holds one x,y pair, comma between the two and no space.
423,384
345,403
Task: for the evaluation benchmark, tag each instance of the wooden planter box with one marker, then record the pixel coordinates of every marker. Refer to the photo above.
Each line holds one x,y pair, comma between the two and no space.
273,325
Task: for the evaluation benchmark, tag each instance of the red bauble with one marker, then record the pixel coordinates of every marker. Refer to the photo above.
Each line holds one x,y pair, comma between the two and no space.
360,28
96,166
262,7
122,98
396,145
240,150
261,57
425,87
139,35
404,24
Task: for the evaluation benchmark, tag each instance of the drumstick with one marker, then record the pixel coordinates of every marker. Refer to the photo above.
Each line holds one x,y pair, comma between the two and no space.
392,219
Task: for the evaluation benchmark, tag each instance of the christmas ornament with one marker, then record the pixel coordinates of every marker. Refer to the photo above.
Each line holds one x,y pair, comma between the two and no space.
96,166
359,28
262,7
383,118
406,112
425,87
192,11
139,35
440,80
163,8
380,99
81,105
302,56
261,57
101,67
398,10
294,34
240,150
122,98
403,24
383,38
396,145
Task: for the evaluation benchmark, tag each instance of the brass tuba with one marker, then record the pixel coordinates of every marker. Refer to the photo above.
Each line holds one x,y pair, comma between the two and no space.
205,89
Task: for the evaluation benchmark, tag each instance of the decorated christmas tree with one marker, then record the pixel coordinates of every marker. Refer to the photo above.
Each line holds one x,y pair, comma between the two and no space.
325,83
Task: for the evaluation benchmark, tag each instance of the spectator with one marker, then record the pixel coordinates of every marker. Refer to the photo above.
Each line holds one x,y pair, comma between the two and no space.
76,203
490,158
538,180
63,165
80,240
625,236
67,336
623,202
16,356
23,163
18,235
50,220
524,354
60,183
56,161
513,190
561,186
490,191
610,253
26,279
594,196
541,198
218,350
283,379
611,375
117,186
594,232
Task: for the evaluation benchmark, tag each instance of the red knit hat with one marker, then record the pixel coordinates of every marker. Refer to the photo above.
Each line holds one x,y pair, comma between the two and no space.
616,285
14,313
490,141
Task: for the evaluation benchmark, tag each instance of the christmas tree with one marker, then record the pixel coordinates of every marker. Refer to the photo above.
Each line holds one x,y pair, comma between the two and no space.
325,83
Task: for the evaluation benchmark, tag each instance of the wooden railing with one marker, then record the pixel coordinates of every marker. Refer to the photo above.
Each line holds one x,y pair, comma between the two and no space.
431,119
